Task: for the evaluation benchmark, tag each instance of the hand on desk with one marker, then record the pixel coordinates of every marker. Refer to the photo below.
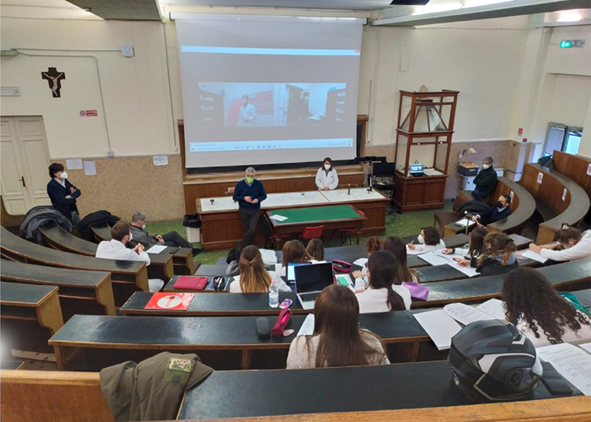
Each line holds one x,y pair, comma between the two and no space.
411,246
159,238
535,248
139,248
447,251
464,263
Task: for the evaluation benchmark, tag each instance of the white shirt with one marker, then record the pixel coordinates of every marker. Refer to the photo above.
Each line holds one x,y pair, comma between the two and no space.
581,250
61,182
373,301
569,336
248,114
235,287
330,180
429,248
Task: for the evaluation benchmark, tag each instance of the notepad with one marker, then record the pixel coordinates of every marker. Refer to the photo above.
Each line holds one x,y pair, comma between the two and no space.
156,249
534,256
278,217
439,326
307,328
469,271
466,314
571,362
434,258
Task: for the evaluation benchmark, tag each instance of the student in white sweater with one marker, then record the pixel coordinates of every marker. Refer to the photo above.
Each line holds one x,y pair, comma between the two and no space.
429,240
576,245
539,312
293,251
326,176
382,295
337,338
254,278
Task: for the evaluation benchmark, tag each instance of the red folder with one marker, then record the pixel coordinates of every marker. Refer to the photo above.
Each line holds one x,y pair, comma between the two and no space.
170,301
190,283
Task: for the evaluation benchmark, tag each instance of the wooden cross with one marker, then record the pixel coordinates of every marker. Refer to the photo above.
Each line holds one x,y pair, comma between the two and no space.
53,78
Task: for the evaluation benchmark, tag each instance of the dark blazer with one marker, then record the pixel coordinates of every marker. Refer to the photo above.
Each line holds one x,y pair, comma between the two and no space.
57,193
493,214
493,267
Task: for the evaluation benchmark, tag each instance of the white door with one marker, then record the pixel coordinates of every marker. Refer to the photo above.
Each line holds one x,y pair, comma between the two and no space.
25,159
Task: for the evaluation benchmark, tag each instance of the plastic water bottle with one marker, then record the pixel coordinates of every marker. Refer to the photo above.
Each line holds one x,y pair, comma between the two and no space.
273,295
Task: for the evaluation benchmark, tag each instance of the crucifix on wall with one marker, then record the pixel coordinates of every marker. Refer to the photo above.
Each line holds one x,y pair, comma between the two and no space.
54,78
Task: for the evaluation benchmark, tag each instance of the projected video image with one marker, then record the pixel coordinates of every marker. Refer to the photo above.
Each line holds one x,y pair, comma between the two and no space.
229,104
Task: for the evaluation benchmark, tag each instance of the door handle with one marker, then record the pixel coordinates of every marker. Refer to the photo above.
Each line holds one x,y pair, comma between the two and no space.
22,179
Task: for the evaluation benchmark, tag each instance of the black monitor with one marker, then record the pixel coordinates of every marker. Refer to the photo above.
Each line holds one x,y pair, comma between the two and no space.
384,169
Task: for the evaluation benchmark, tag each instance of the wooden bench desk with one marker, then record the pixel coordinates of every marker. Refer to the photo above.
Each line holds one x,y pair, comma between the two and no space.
31,314
127,276
556,195
80,292
182,259
575,167
417,386
57,238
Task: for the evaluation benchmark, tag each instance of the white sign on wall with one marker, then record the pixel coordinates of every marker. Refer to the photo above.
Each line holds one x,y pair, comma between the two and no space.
540,177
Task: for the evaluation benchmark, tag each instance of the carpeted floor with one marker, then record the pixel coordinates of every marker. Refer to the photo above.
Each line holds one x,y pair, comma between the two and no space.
401,225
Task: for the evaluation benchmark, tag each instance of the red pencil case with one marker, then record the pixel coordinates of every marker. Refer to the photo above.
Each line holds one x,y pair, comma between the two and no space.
342,266
281,323
190,283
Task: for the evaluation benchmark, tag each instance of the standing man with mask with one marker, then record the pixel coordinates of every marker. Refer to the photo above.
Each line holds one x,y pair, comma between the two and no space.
62,193
248,113
249,193
486,179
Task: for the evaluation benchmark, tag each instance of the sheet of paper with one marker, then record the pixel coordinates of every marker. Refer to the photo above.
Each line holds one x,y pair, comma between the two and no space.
534,256
464,222
156,249
440,327
493,307
361,262
307,328
413,251
278,217
586,346
466,314
74,164
571,362
160,160
89,168
435,259
469,271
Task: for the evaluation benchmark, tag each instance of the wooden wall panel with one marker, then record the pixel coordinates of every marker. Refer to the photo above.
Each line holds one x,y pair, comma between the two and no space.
574,167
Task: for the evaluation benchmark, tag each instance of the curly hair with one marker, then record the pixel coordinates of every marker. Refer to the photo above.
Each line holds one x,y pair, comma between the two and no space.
530,297
374,244
498,244
431,235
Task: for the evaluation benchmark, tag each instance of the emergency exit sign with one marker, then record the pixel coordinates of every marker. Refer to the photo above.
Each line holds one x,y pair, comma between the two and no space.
572,44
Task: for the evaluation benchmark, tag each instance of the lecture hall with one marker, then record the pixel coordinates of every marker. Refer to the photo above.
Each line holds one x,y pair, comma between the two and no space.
295,210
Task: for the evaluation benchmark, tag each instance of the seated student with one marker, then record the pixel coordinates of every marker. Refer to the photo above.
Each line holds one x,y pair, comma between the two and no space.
495,213
138,229
498,258
486,179
293,251
315,249
576,245
429,240
397,246
116,249
533,305
372,244
474,250
254,278
337,338
381,295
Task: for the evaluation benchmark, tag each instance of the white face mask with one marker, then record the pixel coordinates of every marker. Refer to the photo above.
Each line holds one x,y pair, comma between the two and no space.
327,167
421,239
64,175
485,166
143,227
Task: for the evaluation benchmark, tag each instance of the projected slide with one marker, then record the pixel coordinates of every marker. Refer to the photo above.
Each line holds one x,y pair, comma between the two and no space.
271,104
268,90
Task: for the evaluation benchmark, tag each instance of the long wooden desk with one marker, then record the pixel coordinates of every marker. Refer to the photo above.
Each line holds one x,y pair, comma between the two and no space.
221,226
182,259
522,206
80,292
127,276
30,315
351,389
549,193
57,238
575,167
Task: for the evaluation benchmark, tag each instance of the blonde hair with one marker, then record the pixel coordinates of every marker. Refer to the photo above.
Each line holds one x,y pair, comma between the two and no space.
500,244
254,278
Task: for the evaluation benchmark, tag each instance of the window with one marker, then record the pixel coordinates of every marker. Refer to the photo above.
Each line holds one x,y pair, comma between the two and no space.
560,137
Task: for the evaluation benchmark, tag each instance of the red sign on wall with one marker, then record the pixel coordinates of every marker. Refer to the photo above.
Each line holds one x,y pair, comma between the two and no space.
88,113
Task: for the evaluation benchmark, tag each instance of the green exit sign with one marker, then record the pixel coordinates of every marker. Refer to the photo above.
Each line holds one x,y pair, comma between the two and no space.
572,43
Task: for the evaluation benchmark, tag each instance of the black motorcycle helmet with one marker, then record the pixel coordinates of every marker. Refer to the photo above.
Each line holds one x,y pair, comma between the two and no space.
495,361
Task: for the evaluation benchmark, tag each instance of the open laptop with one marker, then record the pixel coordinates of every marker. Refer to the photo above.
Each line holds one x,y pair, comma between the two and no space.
310,280
416,170
291,270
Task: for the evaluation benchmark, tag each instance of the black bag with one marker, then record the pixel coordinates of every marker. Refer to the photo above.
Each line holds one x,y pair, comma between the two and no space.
234,255
473,206
192,220
98,217
546,162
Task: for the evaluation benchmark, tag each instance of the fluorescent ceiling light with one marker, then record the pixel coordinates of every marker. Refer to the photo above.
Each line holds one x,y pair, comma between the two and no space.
569,17
424,10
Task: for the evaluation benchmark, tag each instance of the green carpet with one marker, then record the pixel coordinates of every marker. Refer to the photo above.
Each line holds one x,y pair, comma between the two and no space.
402,225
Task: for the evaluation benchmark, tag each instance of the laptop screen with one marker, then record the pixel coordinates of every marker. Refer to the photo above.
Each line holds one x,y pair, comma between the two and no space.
416,168
290,270
315,277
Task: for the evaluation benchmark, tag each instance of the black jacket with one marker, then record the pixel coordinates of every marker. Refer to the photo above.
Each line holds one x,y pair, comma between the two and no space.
58,194
491,266
98,217
486,181
493,214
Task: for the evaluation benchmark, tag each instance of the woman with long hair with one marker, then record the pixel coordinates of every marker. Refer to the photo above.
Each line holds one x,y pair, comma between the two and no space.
382,295
575,244
337,338
498,258
254,278
293,251
539,312
315,249
397,246
429,240
474,249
